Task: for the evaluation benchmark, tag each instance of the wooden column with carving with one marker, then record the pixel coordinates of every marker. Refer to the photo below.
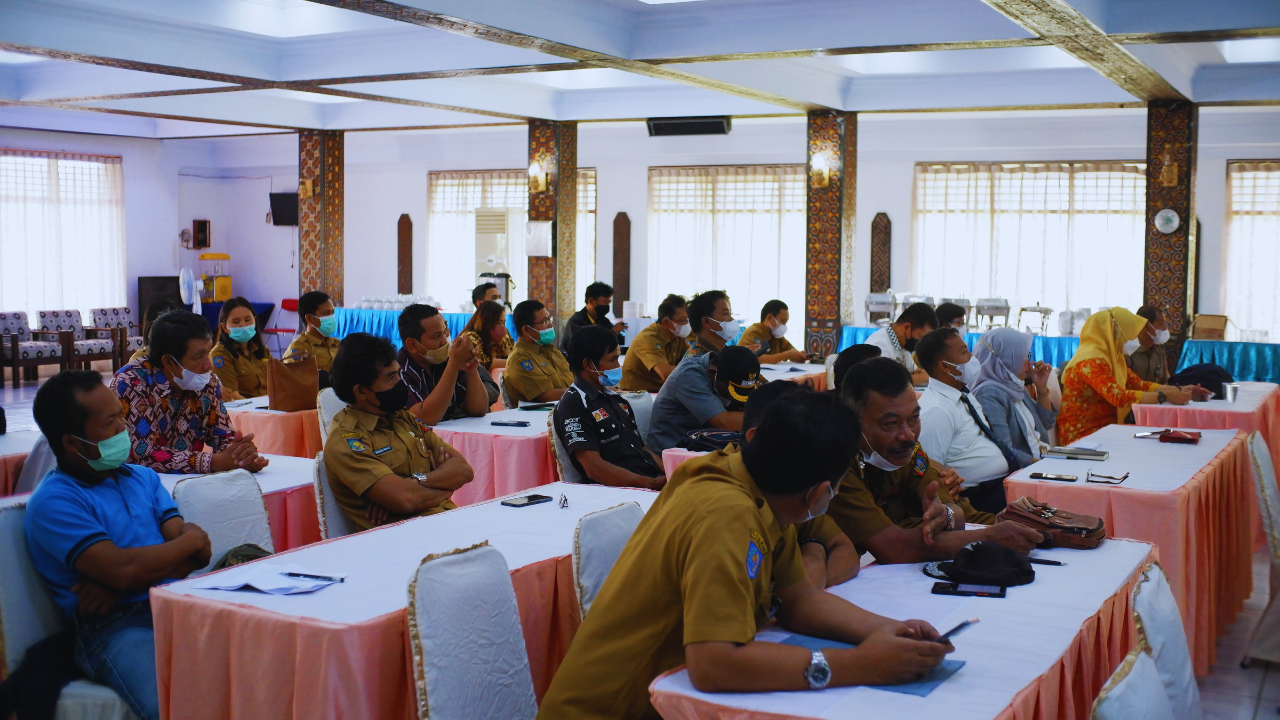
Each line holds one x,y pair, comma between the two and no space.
621,262
404,255
553,153
321,216
1169,274
833,148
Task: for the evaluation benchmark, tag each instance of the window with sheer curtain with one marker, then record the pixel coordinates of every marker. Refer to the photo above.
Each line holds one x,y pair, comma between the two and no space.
737,228
61,232
1060,235
1253,251
451,232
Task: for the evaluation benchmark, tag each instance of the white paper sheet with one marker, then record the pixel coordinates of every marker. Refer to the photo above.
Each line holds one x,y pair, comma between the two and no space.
271,578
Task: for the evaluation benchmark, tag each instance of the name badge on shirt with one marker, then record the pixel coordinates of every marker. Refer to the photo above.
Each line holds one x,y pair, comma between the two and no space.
382,450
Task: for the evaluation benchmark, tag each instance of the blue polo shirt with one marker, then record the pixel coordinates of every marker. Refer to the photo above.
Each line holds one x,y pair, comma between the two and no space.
65,516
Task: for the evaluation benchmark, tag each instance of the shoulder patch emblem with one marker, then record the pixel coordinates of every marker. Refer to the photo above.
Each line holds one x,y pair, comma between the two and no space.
219,361
599,414
754,559
527,365
920,465
356,445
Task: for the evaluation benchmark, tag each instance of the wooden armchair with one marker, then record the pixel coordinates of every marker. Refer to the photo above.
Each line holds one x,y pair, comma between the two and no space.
80,345
27,349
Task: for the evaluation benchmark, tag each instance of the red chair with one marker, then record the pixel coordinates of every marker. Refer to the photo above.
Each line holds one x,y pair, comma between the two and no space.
275,331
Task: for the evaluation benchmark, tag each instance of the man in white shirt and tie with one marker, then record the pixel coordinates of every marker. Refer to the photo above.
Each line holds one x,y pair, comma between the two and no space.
899,340
953,429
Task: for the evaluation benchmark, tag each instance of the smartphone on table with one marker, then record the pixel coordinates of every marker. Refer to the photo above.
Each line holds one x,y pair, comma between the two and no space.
963,590
526,500
510,423
1050,476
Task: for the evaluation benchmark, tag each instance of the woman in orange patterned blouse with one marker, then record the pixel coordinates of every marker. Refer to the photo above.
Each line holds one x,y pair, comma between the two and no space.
1098,388
487,331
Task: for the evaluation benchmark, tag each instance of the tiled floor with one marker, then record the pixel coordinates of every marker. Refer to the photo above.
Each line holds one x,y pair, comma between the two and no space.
1227,693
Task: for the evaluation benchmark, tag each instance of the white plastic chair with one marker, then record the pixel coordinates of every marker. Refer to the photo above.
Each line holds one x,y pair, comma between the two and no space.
597,543
1134,691
564,464
333,520
1264,643
38,464
328,404
29,615
228,506
470,661
1161,625
641,408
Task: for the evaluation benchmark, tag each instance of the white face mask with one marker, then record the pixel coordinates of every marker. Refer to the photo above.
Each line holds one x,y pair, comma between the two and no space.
968,372
682,329
877,459
1131,347
780,330
192,381
728,330
963,330
1162,337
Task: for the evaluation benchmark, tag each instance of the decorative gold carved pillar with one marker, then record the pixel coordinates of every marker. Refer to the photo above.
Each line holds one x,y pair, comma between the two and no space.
1168,273
320,216
553,152
832,164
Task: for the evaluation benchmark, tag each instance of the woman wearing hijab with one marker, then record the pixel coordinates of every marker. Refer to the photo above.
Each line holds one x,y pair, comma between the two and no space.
1098,388
1017,420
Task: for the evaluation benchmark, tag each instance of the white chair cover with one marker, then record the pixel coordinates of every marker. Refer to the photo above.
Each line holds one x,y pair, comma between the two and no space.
327,404
29,615
38,464
830,363
1134,692
1161,623
1264,644
228,506
333,521
641,407
470,661
597,543
564,464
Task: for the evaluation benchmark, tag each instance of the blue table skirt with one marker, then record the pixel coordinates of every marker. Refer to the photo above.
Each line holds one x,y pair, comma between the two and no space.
1258,362
1055,351
383,323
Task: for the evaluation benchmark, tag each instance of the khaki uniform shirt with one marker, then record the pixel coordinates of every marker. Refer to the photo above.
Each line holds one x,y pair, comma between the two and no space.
871,499
533,369
1151,364
364,448
322,349
769,345
652,346
241,373
702,566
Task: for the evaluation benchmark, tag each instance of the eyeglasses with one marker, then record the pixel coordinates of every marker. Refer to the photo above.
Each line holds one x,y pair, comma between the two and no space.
545,323
1089,476
564,502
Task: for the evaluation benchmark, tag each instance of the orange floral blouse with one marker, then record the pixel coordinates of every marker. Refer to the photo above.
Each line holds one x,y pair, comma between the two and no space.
1090,396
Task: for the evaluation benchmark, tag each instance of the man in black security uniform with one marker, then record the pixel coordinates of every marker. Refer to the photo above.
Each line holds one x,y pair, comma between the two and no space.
599,297
595,425
891,502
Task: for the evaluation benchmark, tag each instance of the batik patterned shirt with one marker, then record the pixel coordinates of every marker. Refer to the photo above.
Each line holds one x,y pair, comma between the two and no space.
171,428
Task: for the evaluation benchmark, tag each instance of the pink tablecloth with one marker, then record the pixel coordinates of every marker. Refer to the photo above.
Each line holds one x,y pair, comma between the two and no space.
10,469
296,434
293,518
503,464
1201,530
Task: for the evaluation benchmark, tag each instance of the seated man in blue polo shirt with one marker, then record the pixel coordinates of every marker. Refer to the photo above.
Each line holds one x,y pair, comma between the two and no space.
102,533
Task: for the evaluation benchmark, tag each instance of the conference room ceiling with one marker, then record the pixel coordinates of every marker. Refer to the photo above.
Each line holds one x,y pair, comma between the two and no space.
166,68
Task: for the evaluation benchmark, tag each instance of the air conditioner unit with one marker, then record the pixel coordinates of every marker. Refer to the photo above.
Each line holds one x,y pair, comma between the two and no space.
500,248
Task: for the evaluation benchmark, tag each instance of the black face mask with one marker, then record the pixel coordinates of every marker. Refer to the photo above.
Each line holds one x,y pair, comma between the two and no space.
910,345
600,310
393,400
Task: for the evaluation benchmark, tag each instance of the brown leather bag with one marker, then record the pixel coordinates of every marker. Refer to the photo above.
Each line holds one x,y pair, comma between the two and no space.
1059,527
294,386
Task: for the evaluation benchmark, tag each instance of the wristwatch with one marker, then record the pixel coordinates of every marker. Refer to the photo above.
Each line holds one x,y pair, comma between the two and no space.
1160,397
819,672
951,517
421,478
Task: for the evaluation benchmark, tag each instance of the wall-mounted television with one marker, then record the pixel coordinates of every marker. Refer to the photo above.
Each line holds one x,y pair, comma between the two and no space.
284,208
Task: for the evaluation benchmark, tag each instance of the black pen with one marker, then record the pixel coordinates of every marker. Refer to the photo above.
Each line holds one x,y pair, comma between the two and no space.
314,577
1038,561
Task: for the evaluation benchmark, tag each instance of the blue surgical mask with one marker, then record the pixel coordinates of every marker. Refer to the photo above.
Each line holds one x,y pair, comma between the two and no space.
243,334
609,378
112,452
328,325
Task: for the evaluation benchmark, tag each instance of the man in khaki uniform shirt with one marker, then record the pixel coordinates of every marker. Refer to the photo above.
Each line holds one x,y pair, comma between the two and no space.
712,561
657,350
317,346
773,349
893,502
384,465
536,371
315,310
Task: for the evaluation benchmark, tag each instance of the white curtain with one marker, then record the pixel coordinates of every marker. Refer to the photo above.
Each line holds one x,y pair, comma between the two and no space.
1061,235
740,229
1253,251
451,228
61,232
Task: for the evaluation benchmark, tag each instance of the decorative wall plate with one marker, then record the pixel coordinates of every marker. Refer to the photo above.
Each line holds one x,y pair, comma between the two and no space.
1167,221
